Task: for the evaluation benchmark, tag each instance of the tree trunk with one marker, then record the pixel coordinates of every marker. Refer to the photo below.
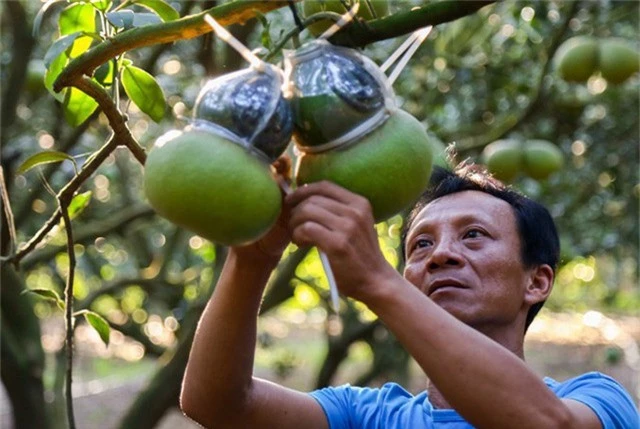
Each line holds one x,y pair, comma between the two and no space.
22,354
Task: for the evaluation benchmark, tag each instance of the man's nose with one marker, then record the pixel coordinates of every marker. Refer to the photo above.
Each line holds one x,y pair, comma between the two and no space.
444,254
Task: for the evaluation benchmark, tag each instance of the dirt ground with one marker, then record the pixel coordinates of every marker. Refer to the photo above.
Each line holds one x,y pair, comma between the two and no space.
559,346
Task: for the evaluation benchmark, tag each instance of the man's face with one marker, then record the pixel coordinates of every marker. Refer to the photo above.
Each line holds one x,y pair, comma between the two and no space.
463,251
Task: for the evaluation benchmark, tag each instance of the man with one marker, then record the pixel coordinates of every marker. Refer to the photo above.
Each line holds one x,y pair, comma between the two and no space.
480,262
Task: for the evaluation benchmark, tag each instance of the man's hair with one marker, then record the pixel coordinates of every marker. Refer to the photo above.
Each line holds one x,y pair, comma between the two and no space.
538,235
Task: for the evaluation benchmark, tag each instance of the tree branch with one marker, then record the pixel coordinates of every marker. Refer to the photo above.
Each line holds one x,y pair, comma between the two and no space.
65,196
148,285
89,232
402,23
116,119
69,319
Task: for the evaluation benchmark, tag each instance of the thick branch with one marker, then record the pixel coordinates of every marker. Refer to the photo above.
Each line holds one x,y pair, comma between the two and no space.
91,231
402,23
184,28
22,45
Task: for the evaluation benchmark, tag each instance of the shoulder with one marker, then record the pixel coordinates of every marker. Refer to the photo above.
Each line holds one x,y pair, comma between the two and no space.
603,394
388,406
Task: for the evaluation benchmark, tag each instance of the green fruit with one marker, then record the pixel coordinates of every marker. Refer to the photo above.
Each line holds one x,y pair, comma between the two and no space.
618,60
541,159
322,118
439,151
577,59
390,166
371,9
503,159
211,186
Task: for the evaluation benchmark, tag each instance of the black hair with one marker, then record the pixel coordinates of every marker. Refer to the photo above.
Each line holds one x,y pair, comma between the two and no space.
538,235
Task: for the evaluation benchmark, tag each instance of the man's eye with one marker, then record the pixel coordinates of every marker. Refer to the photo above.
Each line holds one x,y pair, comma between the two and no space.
474,233
422,243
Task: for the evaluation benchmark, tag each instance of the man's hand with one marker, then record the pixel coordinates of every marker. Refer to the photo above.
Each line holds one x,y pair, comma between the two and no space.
341,224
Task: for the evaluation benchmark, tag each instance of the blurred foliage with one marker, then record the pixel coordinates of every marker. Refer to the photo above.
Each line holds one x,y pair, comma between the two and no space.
474,80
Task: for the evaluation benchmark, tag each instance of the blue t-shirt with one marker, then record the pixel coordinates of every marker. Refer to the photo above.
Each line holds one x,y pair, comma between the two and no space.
391,406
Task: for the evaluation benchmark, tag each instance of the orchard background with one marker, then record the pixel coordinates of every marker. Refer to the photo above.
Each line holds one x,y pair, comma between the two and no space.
75,218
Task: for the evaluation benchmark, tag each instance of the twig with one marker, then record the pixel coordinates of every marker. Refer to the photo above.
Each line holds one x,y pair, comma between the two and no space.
116,119
68,299
65,195
7,212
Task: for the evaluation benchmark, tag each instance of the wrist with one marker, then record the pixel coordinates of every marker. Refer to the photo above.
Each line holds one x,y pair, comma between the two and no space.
253,256
386,286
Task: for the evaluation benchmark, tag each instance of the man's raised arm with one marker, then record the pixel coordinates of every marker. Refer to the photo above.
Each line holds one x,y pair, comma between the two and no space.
219,390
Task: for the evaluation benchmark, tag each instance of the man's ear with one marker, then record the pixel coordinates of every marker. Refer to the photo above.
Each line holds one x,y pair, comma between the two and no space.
540,284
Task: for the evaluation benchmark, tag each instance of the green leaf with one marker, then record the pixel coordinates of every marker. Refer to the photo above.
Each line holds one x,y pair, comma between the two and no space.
144,91
78,106
127,19
265,36
37,22
59,47
104,74
102,5
99,324
77,17
52,73
121,19
78,204
43,158
48,294
164,10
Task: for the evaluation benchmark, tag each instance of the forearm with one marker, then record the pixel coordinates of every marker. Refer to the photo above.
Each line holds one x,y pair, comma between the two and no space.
487,384
220,366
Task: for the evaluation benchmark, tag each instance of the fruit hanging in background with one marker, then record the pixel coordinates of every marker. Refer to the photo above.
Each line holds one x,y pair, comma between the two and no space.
369,9
618,60
577,58
541,159
213,178
504,159
349,131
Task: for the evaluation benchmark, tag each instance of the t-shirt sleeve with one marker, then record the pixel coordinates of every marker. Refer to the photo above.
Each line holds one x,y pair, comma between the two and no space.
343,405
606,397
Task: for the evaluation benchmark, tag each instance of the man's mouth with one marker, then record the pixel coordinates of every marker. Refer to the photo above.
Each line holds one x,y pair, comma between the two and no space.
443,285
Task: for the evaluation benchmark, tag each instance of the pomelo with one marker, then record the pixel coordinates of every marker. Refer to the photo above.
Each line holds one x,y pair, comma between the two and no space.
541,159
211,186
369,9
618,60
390,166
503,158
577,58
